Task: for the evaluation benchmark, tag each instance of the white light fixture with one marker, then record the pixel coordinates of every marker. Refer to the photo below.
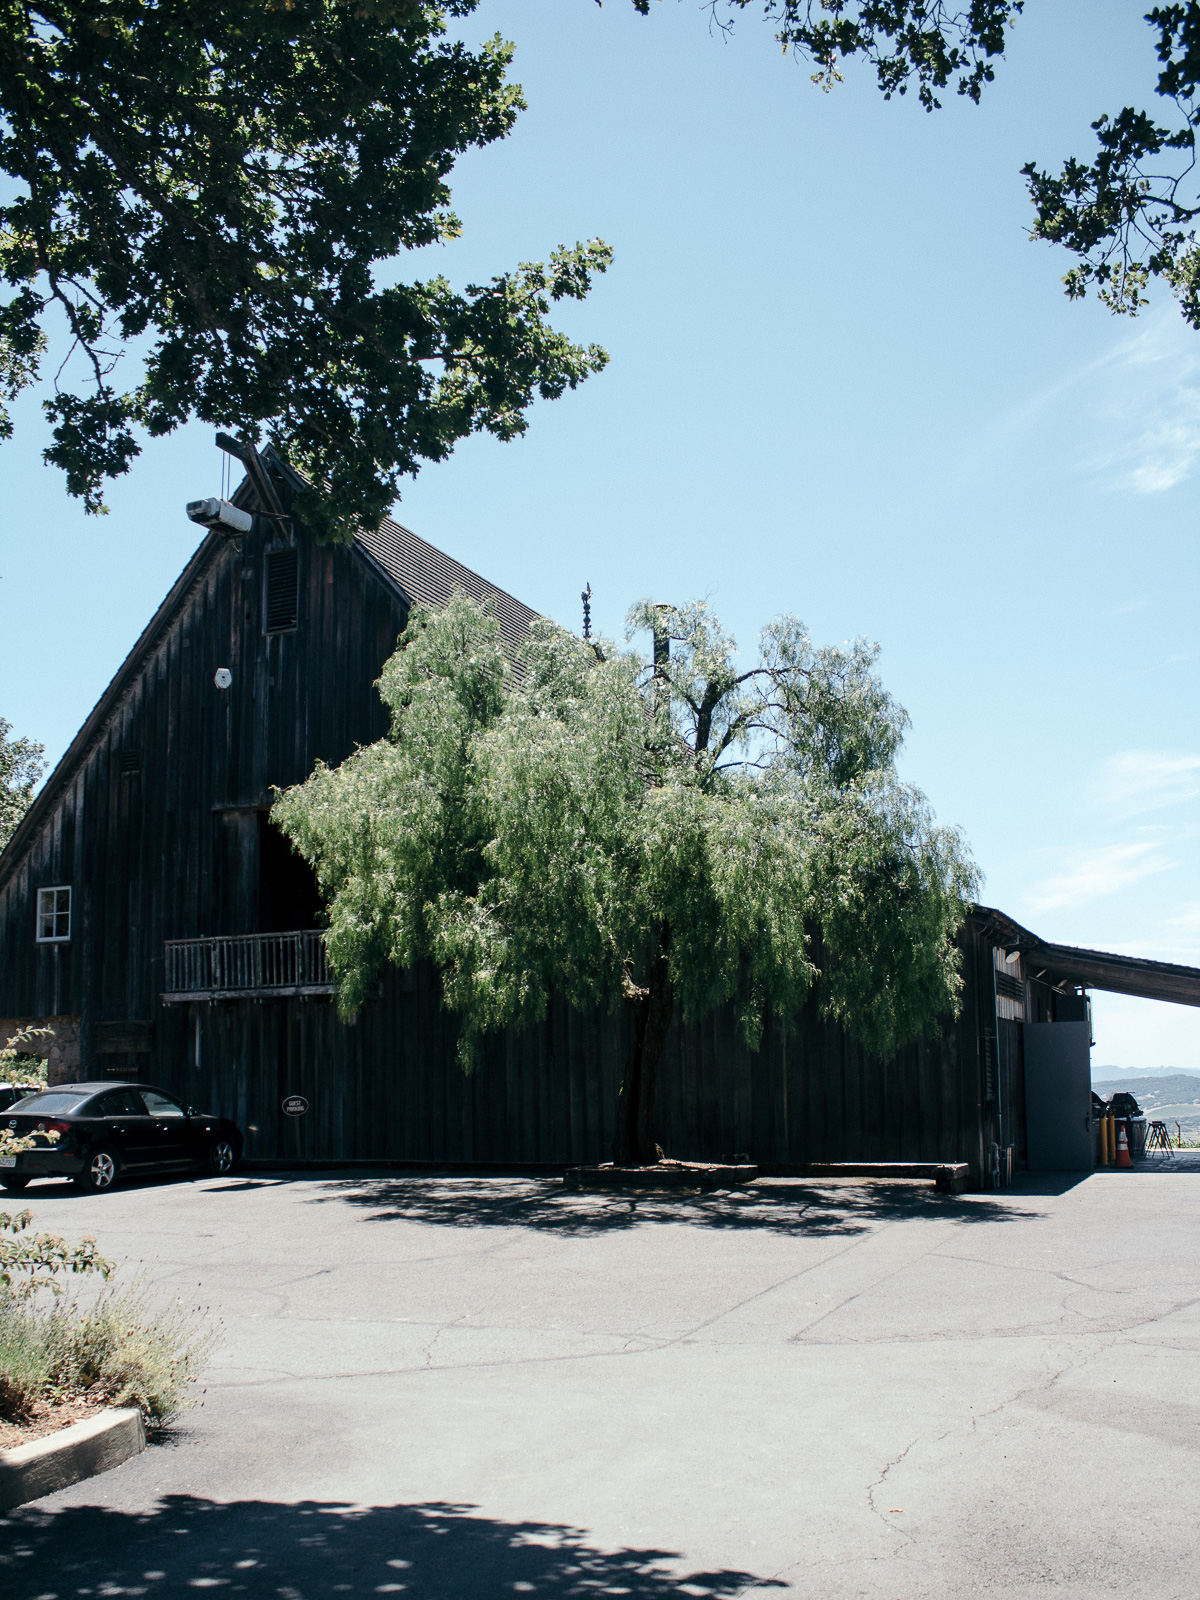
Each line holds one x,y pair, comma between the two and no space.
222,677
219,514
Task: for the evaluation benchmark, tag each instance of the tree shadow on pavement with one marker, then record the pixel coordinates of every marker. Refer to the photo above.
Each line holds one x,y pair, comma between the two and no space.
797,1207
317,1550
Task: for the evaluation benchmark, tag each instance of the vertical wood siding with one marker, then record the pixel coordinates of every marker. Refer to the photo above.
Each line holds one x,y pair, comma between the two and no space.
135,832
390,1088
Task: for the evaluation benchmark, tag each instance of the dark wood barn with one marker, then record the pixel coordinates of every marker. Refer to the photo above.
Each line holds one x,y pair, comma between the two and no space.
154,917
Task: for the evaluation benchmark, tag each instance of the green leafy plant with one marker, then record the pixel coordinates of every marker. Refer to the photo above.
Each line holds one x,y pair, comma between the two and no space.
21,764
21,1067
33,1262
120,1348
679,830
215,189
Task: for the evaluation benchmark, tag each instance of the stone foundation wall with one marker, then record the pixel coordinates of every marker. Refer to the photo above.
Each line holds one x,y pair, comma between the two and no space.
62,1050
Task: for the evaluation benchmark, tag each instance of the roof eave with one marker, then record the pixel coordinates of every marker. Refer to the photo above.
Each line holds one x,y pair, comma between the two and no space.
81,745
1093,969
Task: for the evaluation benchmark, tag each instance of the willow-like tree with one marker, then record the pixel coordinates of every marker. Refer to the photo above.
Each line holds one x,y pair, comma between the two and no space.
21,767
673,832
203,209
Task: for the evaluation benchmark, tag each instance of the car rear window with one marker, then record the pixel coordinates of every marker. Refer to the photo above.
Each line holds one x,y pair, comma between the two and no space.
55,1104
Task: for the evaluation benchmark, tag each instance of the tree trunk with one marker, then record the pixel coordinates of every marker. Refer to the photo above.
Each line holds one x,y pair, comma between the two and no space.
635,1144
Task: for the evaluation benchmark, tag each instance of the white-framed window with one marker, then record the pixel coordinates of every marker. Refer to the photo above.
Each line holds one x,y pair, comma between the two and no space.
54,915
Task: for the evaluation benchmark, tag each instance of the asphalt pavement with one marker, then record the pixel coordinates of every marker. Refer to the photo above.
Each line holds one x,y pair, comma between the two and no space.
448,1386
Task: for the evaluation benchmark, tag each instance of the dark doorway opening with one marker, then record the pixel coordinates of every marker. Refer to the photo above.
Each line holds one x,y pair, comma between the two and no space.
288,897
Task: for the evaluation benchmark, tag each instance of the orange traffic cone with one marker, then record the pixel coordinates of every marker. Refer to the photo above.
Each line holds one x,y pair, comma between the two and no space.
1122,1147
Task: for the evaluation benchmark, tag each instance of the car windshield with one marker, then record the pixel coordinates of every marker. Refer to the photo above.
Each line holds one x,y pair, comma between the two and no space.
54,1104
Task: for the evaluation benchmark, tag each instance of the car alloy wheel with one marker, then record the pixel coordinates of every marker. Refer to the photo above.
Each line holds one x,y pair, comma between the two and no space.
221,1157
100,1173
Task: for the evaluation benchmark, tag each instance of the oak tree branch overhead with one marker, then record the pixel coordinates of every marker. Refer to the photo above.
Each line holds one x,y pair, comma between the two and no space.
213,189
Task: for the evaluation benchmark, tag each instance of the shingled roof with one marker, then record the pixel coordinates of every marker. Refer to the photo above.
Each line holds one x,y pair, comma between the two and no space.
425,575
429,577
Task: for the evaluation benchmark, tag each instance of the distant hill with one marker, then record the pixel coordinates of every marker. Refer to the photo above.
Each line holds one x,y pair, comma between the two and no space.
1171,1097
1111,1074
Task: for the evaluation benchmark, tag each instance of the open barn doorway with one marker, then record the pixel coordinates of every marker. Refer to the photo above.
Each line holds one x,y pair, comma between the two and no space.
262,885
1050,992
1149,1054
288,897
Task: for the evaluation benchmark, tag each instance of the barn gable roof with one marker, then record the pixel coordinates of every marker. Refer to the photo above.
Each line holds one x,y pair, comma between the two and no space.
429,577
422,574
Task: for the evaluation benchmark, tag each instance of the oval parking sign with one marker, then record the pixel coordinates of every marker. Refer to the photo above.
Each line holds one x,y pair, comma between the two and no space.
295,1105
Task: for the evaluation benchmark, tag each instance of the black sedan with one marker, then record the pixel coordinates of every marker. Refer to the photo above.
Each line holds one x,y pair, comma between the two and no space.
105,1129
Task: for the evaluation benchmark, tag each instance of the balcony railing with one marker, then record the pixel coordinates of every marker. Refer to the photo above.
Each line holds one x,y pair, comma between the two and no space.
254,966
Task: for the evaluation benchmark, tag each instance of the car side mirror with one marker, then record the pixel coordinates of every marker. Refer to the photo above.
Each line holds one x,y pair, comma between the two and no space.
189,1111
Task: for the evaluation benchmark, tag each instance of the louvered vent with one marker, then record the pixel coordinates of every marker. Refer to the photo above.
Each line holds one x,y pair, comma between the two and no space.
282,589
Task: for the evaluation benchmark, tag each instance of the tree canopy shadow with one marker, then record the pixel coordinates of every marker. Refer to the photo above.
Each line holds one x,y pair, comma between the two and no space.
316,1550
801,1207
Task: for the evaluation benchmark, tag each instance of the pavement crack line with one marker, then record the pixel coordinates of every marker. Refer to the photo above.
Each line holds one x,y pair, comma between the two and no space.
874,1284
772,1288
1044,1384
883,1516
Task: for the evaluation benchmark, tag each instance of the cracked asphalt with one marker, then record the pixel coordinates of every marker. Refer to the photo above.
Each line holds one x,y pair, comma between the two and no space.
451,1386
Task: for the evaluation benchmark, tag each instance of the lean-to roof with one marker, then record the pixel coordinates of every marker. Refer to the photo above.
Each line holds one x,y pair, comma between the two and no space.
1092,969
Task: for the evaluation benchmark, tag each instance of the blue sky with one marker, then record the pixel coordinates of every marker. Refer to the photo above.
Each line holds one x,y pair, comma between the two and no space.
843,384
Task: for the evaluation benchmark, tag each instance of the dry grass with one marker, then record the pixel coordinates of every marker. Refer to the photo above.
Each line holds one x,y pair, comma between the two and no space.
119,1350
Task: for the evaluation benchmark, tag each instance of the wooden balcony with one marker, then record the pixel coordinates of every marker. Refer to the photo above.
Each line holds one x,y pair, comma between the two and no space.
254,966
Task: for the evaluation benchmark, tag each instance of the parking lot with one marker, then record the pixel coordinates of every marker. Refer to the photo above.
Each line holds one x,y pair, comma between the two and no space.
461,1386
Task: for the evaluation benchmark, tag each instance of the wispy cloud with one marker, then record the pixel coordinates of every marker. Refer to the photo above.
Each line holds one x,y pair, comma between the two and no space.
1092,874
1135,410
1147,780
1152,410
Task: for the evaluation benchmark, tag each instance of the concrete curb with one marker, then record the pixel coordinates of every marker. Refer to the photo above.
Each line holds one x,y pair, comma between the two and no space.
81,1451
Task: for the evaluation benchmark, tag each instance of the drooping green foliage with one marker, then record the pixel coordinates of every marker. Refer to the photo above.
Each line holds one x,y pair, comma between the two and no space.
684,829
214,187
403,823
21,766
